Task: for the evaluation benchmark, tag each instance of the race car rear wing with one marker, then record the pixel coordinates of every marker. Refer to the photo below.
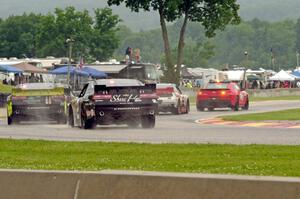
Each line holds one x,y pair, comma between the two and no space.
106,92
38,92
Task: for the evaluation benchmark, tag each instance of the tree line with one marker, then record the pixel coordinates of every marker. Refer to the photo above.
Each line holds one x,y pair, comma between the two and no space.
271,45
37,35
100,36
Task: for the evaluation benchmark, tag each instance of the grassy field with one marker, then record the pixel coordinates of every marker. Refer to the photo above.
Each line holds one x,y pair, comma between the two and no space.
291,114
91,156
292,97
5,88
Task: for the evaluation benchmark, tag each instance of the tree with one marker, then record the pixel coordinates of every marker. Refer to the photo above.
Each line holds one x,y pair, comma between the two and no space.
298,36
105,39
18,35
212,15
95,38
68,23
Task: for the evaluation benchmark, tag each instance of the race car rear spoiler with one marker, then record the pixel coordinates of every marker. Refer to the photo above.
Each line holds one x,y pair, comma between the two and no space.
38,92
149,87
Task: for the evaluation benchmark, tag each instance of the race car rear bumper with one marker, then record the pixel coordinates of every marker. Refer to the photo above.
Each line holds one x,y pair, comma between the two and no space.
118,114
30,112
214,103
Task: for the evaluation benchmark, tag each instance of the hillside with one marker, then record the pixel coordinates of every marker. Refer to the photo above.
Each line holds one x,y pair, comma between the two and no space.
270,10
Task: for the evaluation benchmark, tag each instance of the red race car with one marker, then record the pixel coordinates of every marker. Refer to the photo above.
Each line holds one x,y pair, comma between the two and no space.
222,95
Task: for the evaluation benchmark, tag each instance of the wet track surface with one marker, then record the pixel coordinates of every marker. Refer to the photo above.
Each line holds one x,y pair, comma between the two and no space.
169,129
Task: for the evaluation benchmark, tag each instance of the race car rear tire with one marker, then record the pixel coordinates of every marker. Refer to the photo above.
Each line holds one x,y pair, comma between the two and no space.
236,105
88,123
148,121
211,109
177,110
187,107
9,120
71,118
246,107
200,108
12,120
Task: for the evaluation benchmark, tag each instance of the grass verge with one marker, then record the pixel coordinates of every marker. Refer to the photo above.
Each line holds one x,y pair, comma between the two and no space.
5,88
204,158
290,114
291,97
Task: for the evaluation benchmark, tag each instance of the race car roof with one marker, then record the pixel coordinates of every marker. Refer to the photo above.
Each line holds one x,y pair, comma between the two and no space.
119,82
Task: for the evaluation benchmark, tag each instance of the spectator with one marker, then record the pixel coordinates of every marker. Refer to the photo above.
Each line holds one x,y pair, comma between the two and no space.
41,79
128,54
189,85
137,55
4,81
254,84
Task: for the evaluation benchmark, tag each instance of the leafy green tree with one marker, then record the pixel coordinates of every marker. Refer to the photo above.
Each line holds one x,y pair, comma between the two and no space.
18,35
94,38
198,54
297,46
212,15
104,38
68,23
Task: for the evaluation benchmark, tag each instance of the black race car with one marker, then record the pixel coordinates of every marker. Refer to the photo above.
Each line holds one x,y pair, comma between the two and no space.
114,101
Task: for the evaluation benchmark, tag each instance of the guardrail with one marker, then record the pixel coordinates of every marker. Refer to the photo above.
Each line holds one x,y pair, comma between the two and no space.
136,185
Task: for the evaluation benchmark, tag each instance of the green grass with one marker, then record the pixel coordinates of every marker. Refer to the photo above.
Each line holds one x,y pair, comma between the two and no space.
205,158
290,114
5,88
291,97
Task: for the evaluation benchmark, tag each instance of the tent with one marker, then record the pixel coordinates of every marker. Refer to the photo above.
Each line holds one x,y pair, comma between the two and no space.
296,73
9,69
94,72
29,68
253,77
282,76
235,75
64,71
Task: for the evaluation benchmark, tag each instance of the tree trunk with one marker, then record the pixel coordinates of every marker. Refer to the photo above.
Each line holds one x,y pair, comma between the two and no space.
181,46
169,72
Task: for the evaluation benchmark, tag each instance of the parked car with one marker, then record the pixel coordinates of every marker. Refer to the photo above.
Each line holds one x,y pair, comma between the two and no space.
37,101
114,101
222,95
171,99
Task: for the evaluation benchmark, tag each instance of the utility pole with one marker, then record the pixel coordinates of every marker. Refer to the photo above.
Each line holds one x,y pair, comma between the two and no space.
245,69
70,44
246,55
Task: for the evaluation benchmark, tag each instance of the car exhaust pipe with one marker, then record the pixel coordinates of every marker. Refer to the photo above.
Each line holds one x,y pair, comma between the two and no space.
152,112
101,113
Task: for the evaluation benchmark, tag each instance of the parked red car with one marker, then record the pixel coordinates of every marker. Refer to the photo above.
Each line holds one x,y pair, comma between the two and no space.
222,95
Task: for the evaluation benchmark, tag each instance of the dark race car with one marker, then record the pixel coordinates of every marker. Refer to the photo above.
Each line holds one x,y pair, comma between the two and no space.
37,101
222,95
114,101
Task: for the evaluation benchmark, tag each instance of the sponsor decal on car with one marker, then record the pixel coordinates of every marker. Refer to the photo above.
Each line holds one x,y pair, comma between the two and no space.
126,108
124,98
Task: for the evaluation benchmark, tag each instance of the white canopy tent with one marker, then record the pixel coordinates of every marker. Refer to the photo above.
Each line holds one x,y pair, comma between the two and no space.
283,76
235,75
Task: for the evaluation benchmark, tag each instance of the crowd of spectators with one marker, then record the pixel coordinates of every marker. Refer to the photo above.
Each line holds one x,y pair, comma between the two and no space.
21,79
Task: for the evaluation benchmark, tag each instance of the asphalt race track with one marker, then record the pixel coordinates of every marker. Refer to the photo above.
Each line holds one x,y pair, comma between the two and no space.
169,129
